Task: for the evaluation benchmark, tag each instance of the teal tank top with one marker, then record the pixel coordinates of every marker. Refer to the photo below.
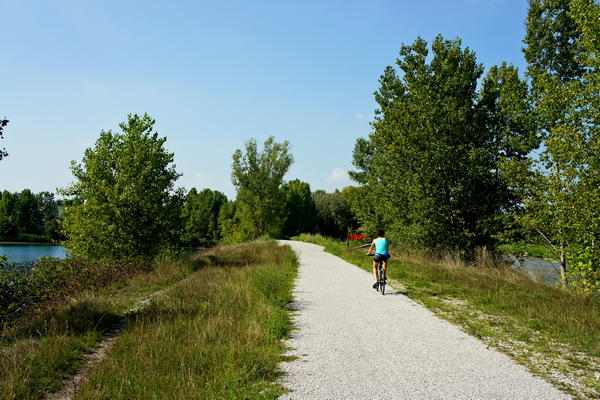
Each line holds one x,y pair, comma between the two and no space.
381,246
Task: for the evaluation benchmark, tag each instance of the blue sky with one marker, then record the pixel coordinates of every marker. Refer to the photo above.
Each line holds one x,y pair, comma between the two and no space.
214,74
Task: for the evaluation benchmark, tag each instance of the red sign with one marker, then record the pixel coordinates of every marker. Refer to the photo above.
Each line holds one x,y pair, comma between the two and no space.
355,236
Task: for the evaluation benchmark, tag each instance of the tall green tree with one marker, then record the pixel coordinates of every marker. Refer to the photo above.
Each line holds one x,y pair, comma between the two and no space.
125,202
3,123
565,198
200,214
586,13
432,170
553,51
230,224
28,217
299,209
257,177
334,215
9,224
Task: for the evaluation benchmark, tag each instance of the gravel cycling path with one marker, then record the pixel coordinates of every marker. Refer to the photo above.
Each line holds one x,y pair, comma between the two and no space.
353,343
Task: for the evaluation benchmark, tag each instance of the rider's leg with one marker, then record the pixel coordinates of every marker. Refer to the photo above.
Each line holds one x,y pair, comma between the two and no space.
375,270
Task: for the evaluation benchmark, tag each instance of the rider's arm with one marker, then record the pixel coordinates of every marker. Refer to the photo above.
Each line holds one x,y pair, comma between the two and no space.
371,248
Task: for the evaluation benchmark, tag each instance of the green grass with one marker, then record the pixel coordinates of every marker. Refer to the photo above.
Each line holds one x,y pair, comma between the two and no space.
215,335
213,330
504,308
40,350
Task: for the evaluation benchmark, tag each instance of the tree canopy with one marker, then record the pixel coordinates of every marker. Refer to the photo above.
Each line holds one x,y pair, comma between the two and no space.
433,168
560,53
25,216
334,216
125,203
257,177
299,209
200,217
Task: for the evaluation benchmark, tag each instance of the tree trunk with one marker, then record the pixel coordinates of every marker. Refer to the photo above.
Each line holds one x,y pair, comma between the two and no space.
563,261
563,264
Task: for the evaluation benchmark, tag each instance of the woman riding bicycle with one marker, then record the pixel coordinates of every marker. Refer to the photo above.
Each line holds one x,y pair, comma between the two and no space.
381,253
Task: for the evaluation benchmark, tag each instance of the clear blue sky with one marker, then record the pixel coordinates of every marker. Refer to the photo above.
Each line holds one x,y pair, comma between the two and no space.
214,74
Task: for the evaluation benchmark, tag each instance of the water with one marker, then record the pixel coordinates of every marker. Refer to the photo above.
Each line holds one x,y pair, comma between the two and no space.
26,253
539,269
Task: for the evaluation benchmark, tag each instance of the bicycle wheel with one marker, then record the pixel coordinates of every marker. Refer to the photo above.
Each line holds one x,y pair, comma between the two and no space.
381,278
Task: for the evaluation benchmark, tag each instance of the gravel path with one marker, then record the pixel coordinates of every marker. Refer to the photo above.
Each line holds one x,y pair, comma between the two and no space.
353,343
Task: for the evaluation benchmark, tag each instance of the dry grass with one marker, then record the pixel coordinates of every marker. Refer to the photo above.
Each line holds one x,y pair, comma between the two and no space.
213,331
214,335
40,350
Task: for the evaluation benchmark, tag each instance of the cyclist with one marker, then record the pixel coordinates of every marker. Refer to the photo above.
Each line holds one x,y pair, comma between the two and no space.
381,253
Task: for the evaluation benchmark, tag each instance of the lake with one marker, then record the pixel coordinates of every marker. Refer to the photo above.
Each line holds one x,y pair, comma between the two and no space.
25,253
539,269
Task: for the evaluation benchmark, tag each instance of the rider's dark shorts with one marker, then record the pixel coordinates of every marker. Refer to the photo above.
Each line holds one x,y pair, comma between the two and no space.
381,257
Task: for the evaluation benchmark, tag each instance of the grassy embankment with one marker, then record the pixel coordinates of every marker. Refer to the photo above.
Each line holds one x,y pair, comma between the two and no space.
551,331
213,329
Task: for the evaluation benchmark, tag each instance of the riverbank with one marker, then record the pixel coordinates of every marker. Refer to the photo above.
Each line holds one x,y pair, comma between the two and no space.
211,327
528,250
554,333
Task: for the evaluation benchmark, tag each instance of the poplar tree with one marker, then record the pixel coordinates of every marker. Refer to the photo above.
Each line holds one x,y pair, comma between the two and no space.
562,51
257,177
125,205
586,258
299,209
552,50
433,169
200,214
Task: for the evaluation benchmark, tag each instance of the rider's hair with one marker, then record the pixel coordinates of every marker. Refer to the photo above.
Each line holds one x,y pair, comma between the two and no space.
380,232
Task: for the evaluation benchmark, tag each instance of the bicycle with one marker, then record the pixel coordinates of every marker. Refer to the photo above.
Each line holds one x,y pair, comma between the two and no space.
380,277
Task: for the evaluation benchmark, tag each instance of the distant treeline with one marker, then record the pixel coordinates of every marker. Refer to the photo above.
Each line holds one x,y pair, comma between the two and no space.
208,217
29,217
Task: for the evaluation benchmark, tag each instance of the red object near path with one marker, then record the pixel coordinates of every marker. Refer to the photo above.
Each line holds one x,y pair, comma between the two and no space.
355,236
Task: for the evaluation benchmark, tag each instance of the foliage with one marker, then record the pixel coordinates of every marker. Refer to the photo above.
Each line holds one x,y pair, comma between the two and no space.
299,209
233,229
584,253
26,216
435,170
257,177
334,216
562,50
200,215
3,123
522,249
52,280
125,204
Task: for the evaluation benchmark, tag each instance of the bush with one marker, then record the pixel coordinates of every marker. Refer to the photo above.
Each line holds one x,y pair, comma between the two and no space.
53,280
